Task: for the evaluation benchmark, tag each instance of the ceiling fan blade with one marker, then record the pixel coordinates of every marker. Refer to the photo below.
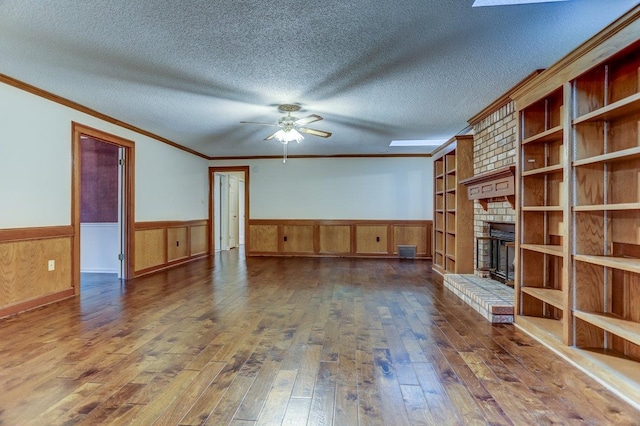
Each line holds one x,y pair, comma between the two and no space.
314,132
271,136
308,119
255,122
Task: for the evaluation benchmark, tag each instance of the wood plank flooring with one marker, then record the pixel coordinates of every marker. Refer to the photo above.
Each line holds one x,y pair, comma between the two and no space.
270,341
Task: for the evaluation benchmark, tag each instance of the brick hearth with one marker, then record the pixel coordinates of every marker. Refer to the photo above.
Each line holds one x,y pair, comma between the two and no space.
492,299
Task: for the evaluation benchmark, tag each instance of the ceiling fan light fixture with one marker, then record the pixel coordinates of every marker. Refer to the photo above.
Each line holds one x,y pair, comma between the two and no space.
291,127
286,136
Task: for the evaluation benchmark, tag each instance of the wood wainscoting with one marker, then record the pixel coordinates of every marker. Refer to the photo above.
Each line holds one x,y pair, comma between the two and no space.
344,238
25,279
159,245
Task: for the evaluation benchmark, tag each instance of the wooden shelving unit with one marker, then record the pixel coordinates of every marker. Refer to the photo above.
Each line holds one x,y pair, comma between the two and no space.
453,212
606,215
542,274
578,231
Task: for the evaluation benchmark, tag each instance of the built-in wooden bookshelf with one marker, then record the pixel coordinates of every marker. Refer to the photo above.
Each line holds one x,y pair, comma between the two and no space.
606,216
578,231
453,212
542,280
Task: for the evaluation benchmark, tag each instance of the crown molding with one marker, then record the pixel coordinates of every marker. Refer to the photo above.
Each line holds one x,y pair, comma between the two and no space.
86,110
502,100
279,157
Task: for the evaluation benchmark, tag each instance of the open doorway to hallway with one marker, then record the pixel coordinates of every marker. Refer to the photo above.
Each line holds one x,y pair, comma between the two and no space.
229,207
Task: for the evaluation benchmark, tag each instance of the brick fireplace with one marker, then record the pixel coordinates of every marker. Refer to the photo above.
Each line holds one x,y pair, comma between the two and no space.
494,149
494,159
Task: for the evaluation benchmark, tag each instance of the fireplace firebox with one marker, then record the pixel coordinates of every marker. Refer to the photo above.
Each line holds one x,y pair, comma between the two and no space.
495,251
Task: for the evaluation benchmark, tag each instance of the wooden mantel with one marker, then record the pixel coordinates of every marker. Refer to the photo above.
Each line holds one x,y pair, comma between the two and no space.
491,187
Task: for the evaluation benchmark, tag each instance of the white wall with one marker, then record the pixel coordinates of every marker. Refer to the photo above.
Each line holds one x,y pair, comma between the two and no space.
35,166
99,247
340,188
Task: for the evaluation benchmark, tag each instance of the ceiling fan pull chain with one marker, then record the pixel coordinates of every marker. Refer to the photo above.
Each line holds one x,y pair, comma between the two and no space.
284,158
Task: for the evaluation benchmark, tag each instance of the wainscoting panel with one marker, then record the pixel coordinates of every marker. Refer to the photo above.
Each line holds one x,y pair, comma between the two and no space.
335,238
199,240
25,279
413,235
372,239
263,237
150,248
163,244
344,238
297,239
177,247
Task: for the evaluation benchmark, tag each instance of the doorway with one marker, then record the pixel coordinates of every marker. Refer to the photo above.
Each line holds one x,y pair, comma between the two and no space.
100,207
229,201
104,242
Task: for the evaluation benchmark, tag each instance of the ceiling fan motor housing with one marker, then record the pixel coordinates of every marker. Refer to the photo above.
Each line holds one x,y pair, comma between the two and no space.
288,122
289,108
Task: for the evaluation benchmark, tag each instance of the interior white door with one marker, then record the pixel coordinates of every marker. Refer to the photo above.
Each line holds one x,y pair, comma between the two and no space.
233,212
217,215
241,212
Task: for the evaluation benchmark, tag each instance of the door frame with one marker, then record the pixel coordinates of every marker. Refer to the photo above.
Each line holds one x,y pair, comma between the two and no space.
232,229
78,130
229,169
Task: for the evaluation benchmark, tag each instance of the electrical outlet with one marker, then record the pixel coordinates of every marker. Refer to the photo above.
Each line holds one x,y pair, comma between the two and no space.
51,265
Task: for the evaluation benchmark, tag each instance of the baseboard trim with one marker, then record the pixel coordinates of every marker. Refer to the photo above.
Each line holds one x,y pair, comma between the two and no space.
168,265
36,302
346,255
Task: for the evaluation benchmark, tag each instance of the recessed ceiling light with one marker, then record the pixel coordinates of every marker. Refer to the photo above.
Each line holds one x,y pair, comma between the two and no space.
480,3
421,142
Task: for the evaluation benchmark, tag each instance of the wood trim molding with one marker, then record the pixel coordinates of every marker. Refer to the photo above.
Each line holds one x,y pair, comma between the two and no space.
77,131
502,100
169,224
337,222
279,157
171,264
37,302
489,176
494,186
247,201
86,110
78,107
582,58
449,145
36,233
390,227
164,226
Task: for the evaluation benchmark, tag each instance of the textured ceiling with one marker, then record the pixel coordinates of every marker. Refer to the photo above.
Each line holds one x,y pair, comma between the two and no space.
376,70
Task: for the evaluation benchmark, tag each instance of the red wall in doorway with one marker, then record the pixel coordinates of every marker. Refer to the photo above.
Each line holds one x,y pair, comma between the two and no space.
99,201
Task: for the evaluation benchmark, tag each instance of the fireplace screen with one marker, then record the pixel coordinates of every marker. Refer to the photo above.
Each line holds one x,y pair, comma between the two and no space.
496,251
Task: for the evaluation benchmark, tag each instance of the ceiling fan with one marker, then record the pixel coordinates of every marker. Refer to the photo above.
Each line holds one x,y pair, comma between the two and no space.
291,127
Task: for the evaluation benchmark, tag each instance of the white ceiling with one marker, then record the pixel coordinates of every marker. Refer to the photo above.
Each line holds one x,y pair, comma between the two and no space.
376,70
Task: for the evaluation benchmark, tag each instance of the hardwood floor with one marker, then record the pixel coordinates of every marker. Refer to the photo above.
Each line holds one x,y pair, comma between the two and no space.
284,341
